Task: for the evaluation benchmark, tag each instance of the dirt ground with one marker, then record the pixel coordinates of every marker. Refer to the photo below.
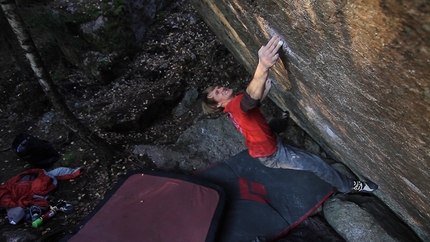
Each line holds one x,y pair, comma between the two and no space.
179,53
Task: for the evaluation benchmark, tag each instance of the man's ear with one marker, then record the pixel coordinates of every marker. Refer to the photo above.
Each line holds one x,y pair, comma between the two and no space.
219,105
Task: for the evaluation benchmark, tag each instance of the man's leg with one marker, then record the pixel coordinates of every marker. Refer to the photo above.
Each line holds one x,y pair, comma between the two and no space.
289,157
303,160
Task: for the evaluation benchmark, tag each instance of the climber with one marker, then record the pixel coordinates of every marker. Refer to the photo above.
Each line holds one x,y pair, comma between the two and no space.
262,142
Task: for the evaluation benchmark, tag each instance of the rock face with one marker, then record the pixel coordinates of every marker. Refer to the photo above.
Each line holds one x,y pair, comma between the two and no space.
354,75
342,214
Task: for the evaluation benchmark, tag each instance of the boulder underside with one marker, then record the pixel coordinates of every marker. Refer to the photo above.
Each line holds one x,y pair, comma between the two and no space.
354,75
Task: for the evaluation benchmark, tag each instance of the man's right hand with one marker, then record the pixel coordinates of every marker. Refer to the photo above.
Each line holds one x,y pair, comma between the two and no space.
267,57
268,54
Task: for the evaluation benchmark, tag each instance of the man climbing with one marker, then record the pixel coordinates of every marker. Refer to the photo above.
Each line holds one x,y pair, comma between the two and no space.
261,141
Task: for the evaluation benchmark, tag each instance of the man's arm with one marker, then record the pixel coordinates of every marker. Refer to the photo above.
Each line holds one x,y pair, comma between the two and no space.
266,89
267,57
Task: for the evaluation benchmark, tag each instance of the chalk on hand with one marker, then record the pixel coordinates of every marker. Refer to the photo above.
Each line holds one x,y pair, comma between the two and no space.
281,42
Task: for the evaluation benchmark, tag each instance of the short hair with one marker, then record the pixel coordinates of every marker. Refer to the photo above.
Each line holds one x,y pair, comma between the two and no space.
209,105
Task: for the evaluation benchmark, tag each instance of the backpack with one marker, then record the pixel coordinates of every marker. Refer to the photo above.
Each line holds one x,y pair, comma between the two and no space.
37,152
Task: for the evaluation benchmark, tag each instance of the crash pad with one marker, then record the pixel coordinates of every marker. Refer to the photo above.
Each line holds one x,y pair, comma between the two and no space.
262,202
154,206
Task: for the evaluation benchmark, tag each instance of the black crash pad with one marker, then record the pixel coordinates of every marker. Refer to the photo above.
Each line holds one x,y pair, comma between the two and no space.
263,202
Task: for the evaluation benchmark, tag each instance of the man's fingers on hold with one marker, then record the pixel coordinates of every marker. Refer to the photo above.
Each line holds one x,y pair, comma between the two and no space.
272,41
279,45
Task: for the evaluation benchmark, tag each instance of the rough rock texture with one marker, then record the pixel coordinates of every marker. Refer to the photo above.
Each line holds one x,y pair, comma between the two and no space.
342,216
205,143
354,75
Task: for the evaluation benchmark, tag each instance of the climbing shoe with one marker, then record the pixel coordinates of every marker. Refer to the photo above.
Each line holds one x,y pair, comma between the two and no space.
365,187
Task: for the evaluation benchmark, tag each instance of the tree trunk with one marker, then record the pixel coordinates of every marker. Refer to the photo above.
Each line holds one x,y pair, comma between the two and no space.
45,80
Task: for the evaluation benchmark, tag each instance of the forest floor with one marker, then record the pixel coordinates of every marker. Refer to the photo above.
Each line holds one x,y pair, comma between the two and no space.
179,52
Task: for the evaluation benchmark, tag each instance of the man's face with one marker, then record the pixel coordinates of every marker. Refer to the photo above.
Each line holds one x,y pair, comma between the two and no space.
221,95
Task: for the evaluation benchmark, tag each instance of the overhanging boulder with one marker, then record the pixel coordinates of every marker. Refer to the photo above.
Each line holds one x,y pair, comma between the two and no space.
354,75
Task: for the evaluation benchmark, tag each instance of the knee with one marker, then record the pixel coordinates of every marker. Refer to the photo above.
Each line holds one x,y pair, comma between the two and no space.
268,162
275,163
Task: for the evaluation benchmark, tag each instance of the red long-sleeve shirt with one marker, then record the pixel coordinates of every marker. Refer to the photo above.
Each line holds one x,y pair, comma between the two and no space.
259,139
